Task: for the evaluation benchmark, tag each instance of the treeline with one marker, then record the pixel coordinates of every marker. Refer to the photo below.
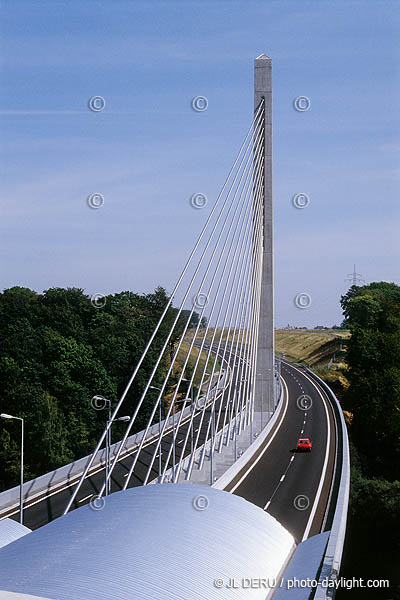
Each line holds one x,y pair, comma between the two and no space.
58,349
372,314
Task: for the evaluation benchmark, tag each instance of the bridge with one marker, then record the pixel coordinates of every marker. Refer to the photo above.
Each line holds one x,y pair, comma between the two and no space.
205,495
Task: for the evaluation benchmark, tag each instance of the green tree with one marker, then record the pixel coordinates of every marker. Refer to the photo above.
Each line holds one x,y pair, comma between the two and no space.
373,356
57,351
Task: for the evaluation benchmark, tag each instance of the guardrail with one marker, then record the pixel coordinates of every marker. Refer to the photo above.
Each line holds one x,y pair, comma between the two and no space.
69,474
334,550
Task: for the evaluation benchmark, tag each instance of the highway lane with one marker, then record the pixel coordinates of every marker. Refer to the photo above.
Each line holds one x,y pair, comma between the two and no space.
41,511
285,482
38,512
278,478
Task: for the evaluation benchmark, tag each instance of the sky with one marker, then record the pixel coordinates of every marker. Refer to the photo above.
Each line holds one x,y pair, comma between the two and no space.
148,151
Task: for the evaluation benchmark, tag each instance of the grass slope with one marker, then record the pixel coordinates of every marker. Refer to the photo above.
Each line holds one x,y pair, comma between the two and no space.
316,348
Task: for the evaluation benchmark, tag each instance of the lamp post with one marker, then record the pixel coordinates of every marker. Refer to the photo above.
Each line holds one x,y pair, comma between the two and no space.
262,402
99,402
270,400
235,396
278,380
188,401
21,486
108,451
212,443
173,430
153,387
192,418
243,380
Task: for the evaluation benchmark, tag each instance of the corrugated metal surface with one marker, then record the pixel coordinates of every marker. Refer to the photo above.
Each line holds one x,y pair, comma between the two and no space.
160,542
19,596
10,530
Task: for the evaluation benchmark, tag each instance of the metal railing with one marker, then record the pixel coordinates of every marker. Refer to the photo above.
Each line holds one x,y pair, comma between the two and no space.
334,550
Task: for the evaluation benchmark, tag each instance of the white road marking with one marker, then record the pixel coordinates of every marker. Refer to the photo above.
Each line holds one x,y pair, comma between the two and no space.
323,472
280,481
272,437
29,503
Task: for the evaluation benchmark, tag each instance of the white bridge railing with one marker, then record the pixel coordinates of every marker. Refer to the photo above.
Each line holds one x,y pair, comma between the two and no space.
334,550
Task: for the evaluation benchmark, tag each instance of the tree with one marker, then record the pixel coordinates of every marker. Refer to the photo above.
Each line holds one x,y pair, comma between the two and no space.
57,352
373,356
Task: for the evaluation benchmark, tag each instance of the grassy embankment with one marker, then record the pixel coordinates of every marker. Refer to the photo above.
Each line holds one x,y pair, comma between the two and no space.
182,354
315,348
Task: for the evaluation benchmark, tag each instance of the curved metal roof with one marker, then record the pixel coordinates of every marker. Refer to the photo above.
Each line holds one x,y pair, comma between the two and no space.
19,596
11,530
170,541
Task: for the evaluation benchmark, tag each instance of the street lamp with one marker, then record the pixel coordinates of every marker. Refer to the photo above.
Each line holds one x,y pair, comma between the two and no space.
262,401
108,451
188,401
153,387
106,402
21,501
192,418
244,380
236,429
269,399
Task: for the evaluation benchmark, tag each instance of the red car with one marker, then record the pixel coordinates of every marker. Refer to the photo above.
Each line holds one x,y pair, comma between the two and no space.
304,444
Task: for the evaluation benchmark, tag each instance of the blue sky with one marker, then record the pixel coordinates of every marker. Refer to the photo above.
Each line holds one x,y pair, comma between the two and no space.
148,151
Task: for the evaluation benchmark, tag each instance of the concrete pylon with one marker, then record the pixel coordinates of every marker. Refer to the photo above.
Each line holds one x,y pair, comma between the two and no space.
265,387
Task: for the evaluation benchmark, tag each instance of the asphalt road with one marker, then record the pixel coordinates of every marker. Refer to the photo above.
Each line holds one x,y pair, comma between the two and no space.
285,482
282,481
41,511
38,512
